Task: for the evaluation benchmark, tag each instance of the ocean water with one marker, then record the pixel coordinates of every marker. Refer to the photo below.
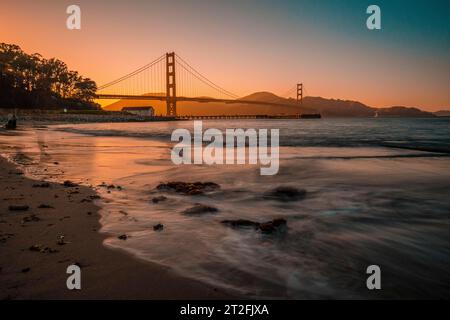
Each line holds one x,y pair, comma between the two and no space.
377,193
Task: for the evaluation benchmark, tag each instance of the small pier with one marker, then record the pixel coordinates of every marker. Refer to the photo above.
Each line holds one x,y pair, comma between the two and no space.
230,117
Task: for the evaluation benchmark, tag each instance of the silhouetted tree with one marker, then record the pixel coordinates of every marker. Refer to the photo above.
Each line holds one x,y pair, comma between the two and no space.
30,81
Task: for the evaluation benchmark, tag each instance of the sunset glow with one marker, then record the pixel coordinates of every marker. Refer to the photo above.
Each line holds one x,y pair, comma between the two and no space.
253,45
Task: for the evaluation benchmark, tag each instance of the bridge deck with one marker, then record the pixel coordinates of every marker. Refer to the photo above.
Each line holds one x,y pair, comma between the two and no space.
200,99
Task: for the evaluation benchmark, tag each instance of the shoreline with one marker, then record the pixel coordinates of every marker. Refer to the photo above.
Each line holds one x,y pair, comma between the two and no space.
33,265
198,253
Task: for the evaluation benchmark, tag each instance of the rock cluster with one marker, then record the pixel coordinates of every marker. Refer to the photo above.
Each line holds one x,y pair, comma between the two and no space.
188,188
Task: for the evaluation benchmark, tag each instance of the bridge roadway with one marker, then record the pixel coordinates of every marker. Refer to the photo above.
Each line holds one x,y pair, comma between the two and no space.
198,99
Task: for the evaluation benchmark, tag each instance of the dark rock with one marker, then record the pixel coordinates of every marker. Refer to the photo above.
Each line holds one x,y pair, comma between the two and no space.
22,159
35,247
41,185
285,193
6,236
200,209
272,226
32,218
69,184
42,249
25,270
19,173
123,237
265,227
11,124
159,199
111,186
94,197
19,208
45,206
158,227
188,188
61,241
241,223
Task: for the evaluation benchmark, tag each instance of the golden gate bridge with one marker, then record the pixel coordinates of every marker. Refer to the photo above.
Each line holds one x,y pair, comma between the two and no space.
170,78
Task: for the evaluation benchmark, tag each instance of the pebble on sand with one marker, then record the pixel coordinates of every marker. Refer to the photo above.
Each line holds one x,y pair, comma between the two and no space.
19,208
45,206
32,218
61,240
42,249
41,185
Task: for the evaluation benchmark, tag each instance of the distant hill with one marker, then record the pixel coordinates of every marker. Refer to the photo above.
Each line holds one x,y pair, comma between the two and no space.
403,112
266,96
338,108
326,107
200,108
442,113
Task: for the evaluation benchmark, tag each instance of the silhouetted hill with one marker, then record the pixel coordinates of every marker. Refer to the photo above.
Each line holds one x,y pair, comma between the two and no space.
442,113
338,108
266,97
399,111
326,107
199,108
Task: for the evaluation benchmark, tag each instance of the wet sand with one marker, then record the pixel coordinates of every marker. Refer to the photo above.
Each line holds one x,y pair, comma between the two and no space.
28,273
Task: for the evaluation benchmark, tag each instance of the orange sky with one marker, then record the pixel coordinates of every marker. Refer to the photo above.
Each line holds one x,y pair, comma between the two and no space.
245,46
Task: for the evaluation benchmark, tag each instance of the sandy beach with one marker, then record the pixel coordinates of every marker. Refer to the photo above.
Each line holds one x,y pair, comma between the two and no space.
33,264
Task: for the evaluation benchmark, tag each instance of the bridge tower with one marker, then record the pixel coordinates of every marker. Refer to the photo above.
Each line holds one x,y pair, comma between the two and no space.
300,92
171,87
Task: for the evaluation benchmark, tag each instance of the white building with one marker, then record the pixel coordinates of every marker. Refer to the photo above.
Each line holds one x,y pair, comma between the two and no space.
141,111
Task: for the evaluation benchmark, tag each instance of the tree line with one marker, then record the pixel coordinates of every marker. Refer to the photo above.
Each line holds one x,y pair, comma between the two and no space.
31,81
